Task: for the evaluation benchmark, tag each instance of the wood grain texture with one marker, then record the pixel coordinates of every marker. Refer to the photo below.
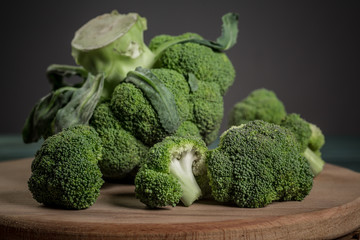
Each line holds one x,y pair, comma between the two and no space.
331,210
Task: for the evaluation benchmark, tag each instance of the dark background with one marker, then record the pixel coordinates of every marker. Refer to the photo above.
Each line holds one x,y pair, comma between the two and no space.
306,51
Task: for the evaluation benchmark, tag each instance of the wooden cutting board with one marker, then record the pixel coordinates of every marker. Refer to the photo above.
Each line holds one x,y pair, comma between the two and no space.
331,210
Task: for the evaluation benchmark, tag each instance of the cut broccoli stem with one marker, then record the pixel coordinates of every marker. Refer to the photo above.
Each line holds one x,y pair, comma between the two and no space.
315,161
181,168
112,44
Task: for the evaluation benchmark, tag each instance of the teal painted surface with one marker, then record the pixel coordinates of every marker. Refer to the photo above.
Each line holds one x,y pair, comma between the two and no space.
340,150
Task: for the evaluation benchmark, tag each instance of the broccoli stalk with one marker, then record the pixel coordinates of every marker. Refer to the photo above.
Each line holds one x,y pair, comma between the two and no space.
181,167
315,161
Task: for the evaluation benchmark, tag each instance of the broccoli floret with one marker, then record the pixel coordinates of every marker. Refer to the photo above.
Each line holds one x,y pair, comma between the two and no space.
206,64
258,163
137,113
65,173
261,104
208,108
187,129
317,138
122,152
169,172
299,127
310,139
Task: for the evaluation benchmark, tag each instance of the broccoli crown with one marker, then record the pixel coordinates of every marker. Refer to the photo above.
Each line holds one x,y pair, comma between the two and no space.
299,127
317,138
136,113
208,109
169,172
65,173
258,163
122,152
310,139
261,104
206,64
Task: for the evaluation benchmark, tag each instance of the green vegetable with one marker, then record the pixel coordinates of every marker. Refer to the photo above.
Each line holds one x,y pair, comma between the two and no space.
65,173
112,46
310,138
140,115
263,104
121,152
260,104
65,106
169,172
162,100
257,163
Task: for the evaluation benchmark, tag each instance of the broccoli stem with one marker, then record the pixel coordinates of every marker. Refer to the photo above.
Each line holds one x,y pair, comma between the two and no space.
181,168
315,161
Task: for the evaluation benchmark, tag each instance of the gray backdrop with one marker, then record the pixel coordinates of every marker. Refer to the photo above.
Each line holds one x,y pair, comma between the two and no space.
306,51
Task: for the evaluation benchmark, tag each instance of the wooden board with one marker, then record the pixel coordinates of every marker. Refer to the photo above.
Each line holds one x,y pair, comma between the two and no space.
331,210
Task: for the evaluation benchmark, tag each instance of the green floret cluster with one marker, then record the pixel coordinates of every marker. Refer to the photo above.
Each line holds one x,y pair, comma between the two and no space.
169,172
65,173
258,163
122,152
148,113
260,104
263,104
206,65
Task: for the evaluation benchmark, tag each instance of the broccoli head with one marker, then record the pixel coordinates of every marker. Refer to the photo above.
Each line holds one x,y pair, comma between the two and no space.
258,163
139,115
261,104
310,138
65,173
169,172
206,64
122,152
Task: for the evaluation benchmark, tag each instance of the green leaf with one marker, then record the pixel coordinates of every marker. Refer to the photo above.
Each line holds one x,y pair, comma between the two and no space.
39,122
227,39
56,74
82,104
159,95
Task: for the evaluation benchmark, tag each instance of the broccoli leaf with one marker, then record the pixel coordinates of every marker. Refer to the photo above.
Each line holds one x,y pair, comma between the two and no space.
82,104
227,39
39,122
160,97
56,74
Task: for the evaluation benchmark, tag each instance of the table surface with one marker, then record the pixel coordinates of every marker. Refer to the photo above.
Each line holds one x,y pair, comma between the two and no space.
339,150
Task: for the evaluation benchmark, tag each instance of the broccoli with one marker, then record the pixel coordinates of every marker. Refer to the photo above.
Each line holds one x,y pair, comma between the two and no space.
169,172
206,65
261,104
113,44
140,115
111,47
257,163
65,173
122,152
310,139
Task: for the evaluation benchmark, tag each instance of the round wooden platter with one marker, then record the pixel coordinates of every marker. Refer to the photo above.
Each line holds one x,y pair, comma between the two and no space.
331,210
